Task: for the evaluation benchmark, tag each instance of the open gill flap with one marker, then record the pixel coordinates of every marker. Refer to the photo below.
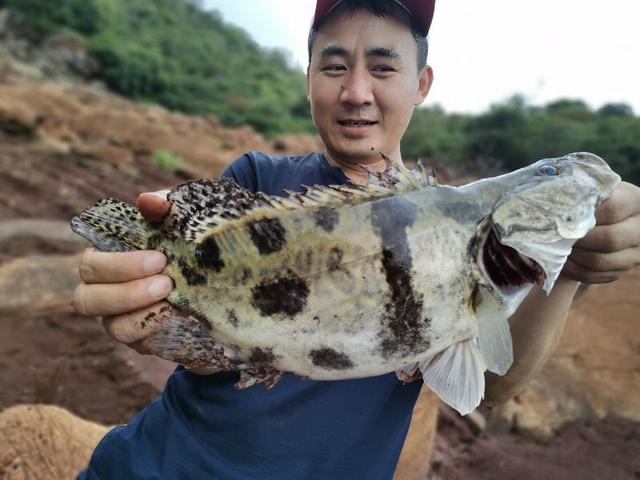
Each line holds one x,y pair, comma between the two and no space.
550,256
456,375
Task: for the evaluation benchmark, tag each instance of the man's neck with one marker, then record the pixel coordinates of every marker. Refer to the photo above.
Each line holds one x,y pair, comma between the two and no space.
355,172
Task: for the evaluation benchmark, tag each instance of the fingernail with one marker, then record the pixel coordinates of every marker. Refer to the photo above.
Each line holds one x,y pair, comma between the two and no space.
154,263
161,193
160,287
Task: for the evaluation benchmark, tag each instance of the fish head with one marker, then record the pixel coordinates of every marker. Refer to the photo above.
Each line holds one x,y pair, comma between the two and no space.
548,207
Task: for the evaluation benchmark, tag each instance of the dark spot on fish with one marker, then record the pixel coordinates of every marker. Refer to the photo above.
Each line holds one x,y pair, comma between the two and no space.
326,218
154,241
208,255
304,260
474,299
335,258
472,248
287,295
461,212
242,275
232,318
268,235
151,316
262,357
402,324
190,274
330,359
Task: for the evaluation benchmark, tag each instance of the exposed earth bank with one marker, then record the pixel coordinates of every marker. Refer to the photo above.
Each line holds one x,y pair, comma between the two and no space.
62,147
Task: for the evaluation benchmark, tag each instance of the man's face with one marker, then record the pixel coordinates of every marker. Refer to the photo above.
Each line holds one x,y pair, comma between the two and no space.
363,85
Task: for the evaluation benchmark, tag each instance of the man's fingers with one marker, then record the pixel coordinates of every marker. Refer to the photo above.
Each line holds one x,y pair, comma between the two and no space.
115,267
114,299
153,205
574,271
604,262
612,238
133,327
622,204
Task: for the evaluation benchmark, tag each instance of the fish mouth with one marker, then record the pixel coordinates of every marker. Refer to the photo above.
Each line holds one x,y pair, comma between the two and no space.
507,269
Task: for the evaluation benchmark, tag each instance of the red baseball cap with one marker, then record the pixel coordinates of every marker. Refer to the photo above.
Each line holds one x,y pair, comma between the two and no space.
420,10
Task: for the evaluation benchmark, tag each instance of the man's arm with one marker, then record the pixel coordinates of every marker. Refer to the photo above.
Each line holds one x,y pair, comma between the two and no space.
609,250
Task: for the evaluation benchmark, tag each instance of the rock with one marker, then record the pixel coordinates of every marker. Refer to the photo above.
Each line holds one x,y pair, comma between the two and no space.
416,452
97,124
594,373
45,441
25,235
16,117
476,421
38,285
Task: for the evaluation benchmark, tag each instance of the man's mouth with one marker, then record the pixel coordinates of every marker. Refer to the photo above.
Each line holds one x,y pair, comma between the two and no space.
357,123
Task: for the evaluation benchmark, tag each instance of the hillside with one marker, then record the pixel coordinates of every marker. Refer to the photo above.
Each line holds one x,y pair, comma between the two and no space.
174,53
66,140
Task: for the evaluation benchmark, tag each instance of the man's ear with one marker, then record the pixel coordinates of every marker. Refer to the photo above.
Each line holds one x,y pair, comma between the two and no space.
306,85
425,80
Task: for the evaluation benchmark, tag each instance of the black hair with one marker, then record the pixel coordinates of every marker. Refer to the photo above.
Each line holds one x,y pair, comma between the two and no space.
381,8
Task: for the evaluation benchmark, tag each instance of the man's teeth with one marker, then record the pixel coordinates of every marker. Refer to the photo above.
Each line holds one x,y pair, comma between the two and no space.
356,123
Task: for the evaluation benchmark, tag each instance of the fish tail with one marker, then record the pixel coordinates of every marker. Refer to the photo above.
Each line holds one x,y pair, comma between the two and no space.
112,226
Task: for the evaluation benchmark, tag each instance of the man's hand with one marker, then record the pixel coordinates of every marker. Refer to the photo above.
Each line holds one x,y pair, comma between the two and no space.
613,246
124,287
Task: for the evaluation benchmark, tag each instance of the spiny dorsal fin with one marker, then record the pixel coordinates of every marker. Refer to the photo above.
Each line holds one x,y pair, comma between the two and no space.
425,179
398,177
201,205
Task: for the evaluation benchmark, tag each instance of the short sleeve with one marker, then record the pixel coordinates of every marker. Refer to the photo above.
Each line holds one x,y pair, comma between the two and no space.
243,171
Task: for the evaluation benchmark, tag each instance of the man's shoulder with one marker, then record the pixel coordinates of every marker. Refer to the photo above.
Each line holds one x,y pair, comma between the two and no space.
264,162
272,174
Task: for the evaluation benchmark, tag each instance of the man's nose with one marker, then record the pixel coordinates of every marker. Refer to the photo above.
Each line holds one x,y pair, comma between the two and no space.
356,89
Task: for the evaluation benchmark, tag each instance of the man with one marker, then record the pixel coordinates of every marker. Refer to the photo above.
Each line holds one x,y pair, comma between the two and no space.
367,73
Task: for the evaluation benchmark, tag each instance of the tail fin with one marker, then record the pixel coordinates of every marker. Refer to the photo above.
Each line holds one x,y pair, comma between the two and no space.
112,226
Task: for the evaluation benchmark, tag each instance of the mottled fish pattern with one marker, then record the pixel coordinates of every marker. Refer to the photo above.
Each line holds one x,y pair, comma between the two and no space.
351,281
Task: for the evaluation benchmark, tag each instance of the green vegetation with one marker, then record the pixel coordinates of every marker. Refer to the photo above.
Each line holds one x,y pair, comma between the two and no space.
513,134
174,53
167,161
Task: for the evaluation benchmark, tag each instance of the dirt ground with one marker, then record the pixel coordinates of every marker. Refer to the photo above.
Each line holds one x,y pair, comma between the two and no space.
68,360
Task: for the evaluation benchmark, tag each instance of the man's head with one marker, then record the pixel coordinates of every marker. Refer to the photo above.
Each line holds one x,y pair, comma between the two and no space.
420,15
363,80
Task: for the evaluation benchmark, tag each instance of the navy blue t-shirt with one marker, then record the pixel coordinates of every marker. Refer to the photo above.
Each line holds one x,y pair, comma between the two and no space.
202,427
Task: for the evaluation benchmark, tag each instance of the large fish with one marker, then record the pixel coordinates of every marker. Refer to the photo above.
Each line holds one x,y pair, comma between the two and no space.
353,281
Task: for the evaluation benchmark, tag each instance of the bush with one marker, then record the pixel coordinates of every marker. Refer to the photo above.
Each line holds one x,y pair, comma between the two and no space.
167,161
175,53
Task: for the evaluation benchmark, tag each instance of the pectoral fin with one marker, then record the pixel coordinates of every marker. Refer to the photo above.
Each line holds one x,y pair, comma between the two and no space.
456,374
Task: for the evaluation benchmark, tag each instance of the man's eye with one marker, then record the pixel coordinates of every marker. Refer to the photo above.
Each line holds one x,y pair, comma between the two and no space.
383,69
333,68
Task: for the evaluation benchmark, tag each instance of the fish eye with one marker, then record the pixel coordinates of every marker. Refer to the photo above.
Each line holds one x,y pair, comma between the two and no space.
548,170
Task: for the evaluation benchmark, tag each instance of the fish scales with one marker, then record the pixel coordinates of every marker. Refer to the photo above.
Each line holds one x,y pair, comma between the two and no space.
345,282
334,278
